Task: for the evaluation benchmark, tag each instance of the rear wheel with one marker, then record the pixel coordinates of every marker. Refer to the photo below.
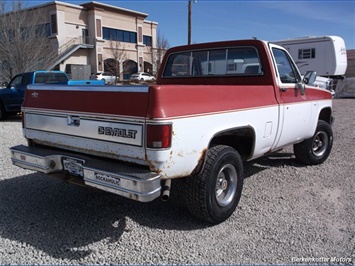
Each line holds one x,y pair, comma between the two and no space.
214,193
316,149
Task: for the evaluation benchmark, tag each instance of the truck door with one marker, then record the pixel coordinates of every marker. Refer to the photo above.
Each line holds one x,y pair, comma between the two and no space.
295,109
15,92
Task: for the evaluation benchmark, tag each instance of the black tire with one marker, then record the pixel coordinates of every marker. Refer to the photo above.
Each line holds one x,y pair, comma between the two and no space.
214,193
316,149
2,111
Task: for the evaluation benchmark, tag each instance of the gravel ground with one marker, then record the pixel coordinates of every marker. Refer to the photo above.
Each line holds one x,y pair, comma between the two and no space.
289,213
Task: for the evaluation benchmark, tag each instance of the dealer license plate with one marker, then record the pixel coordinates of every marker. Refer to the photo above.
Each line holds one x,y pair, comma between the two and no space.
73,166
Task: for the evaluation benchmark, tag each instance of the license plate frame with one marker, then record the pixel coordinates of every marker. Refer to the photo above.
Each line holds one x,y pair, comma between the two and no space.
73,166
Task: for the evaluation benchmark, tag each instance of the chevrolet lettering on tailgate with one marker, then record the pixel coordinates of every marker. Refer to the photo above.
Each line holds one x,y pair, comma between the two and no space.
117,132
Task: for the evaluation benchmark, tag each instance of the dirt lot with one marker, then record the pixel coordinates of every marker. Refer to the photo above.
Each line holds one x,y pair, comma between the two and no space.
289,213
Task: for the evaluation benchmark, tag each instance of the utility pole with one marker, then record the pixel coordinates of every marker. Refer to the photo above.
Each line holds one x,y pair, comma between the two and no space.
189,22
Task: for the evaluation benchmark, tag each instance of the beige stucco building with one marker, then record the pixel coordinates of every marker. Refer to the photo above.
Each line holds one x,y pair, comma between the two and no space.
100,37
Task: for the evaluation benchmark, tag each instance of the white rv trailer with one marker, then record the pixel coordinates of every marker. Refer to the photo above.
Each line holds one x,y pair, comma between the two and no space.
326,54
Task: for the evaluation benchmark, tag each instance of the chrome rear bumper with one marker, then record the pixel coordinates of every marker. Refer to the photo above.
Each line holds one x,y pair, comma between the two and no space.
127,181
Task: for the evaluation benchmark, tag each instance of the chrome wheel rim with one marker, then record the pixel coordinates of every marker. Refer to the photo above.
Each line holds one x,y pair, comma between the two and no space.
320,143
226,185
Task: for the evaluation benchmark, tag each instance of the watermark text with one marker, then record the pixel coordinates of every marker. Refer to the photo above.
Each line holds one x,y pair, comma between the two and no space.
342,260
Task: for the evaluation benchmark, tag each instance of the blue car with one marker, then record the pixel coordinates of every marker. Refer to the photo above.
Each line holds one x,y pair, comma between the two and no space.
12,94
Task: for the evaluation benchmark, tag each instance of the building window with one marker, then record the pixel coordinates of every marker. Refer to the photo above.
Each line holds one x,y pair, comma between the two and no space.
147,40
98,27
307,53
119,35
112,35
43,30
133,37
38,31
54,29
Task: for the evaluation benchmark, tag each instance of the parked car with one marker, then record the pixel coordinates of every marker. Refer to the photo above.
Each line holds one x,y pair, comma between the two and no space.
109,78
142,76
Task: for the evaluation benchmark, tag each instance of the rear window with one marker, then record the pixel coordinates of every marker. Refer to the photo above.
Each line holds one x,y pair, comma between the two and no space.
51,78
241,61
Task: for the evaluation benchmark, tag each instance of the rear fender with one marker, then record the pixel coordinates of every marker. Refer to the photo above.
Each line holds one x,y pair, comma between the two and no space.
241,139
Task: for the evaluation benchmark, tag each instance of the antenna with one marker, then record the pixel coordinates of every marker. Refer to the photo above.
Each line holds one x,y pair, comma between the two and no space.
189,22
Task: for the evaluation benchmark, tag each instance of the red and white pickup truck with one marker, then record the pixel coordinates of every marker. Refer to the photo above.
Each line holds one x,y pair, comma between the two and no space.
214,105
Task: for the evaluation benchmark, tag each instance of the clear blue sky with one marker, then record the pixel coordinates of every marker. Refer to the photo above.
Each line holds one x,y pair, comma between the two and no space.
214,20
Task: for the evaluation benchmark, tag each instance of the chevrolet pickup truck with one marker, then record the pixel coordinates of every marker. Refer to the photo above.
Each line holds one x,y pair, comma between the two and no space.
214,106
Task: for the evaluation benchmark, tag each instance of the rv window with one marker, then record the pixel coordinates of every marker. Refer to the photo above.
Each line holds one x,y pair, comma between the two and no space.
306,53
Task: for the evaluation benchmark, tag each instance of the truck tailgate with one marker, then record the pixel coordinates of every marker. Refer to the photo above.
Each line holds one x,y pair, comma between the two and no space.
97,120
108,100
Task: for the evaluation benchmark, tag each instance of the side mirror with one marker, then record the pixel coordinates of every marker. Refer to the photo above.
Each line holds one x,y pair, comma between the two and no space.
4,84
310,77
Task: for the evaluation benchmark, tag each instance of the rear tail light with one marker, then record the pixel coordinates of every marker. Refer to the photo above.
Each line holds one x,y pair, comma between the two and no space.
159,136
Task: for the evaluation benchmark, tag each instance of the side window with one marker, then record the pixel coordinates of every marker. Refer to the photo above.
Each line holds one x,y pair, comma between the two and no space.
54,29
178,65
16,81
285,68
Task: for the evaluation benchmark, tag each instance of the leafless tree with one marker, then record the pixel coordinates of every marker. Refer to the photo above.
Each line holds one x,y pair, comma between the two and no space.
24,42
118,53
157,53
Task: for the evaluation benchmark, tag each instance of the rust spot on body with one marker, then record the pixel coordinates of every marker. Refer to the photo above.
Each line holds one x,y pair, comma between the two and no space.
200,163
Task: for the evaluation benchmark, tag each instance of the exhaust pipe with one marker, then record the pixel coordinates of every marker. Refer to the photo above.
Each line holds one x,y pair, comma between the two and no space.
166,190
